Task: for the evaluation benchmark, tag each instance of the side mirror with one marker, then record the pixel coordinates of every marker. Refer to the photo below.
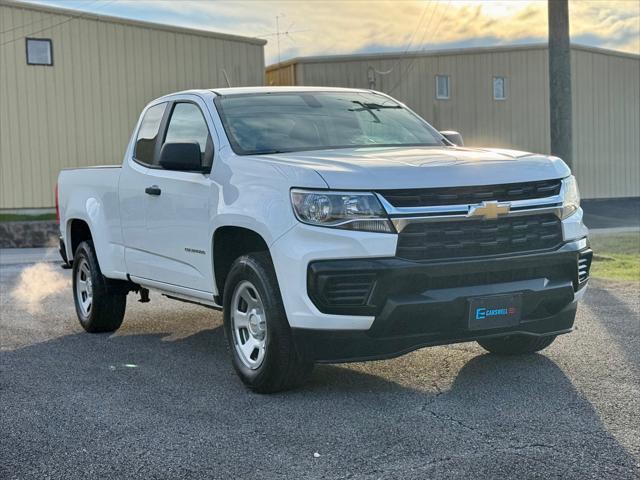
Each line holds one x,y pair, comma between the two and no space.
453,136
185,157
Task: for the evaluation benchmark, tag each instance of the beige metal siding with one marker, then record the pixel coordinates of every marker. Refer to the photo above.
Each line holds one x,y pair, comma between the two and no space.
606,123
471,108
606,90
81,111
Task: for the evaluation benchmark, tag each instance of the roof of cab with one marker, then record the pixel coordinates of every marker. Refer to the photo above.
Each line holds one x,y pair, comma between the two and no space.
248,90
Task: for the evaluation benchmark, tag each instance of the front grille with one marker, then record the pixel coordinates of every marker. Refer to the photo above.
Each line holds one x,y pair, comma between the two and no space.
469,195
475,238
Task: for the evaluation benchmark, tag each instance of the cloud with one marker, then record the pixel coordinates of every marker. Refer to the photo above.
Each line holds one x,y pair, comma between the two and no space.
321,27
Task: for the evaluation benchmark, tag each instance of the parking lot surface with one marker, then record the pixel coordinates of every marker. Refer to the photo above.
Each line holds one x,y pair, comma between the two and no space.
159,399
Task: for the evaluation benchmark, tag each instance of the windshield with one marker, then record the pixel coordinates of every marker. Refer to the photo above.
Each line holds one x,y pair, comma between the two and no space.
265,123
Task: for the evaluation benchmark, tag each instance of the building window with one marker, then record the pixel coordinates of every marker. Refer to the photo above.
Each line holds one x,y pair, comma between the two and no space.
499,88
39,51
443,92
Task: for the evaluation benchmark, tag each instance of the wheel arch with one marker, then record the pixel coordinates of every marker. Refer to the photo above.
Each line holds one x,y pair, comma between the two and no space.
230,242
78,231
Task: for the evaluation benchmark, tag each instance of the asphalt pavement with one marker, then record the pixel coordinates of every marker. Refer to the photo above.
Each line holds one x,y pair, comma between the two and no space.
159,399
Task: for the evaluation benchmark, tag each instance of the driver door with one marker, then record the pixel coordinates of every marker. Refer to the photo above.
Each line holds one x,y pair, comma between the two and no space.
178,214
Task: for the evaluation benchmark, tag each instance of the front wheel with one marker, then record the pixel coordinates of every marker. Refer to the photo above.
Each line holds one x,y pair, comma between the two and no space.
258,333
100,305
516,344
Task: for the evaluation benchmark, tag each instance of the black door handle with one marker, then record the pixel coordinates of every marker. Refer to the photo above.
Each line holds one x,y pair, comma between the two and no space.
153,190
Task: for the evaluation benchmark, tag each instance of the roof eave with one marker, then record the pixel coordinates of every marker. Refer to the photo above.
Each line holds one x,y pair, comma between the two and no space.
126,21
434,53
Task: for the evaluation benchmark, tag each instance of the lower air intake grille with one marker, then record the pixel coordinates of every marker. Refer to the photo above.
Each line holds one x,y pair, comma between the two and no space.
584,264
476,238
347,290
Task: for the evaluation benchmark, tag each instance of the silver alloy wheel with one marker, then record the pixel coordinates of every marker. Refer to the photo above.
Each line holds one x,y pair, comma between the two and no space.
84,288
249,325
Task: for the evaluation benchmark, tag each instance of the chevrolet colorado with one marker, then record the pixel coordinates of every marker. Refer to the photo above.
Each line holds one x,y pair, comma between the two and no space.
329,225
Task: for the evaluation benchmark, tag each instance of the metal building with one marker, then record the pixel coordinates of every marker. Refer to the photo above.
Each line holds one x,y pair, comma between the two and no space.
72,85
500,97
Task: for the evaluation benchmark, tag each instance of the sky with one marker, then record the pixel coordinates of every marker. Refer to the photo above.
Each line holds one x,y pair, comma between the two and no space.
327,27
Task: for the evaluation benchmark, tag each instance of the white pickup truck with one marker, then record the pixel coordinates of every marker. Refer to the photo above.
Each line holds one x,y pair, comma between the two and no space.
329,225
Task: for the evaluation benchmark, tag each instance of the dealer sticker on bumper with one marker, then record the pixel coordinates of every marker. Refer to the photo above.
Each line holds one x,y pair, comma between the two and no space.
495,311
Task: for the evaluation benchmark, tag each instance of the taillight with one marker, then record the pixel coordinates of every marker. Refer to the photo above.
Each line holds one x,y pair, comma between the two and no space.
57,206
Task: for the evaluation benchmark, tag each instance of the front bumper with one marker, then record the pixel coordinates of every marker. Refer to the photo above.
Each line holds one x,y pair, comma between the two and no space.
324,346
416,304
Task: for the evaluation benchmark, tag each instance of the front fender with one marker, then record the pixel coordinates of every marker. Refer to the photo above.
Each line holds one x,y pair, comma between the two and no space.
254,194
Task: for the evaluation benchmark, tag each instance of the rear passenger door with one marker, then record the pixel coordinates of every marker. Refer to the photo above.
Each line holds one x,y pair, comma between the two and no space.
131,189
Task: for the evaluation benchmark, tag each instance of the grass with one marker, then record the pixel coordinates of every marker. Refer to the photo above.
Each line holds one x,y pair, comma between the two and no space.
616,256
17,217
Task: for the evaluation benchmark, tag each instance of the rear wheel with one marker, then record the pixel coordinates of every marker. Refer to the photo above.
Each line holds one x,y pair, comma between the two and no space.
258,333
100,303
516,344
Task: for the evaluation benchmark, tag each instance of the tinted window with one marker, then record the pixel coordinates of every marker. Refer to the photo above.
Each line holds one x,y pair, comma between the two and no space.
188,125
148,134
288,122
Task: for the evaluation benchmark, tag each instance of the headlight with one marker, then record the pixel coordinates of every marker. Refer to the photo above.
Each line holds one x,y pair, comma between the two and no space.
571,196
346,210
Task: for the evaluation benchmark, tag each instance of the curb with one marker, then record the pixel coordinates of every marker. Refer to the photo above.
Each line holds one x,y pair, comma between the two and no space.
608,231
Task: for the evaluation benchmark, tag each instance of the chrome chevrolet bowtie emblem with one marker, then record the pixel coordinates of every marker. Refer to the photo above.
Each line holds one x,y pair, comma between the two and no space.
489,210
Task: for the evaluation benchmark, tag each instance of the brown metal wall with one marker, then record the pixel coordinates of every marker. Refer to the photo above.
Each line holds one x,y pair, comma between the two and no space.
285,75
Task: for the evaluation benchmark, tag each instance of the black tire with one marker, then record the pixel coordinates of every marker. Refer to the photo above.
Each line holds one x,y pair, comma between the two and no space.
516,344
109,299
282,368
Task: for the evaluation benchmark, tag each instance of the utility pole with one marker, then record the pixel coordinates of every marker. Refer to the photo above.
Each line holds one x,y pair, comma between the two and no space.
278,36
560,80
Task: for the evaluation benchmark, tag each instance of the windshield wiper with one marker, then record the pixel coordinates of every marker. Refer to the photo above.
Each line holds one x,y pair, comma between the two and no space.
267,152
369,107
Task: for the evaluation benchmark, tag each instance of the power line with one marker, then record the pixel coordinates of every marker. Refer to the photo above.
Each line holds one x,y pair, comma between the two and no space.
412,61
424,32
424,10
37,21
435,33
54,25
372,81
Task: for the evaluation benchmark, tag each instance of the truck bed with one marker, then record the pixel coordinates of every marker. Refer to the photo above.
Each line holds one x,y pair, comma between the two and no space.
90,194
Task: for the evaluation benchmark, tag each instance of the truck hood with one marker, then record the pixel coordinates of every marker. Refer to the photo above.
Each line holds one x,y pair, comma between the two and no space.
422,167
